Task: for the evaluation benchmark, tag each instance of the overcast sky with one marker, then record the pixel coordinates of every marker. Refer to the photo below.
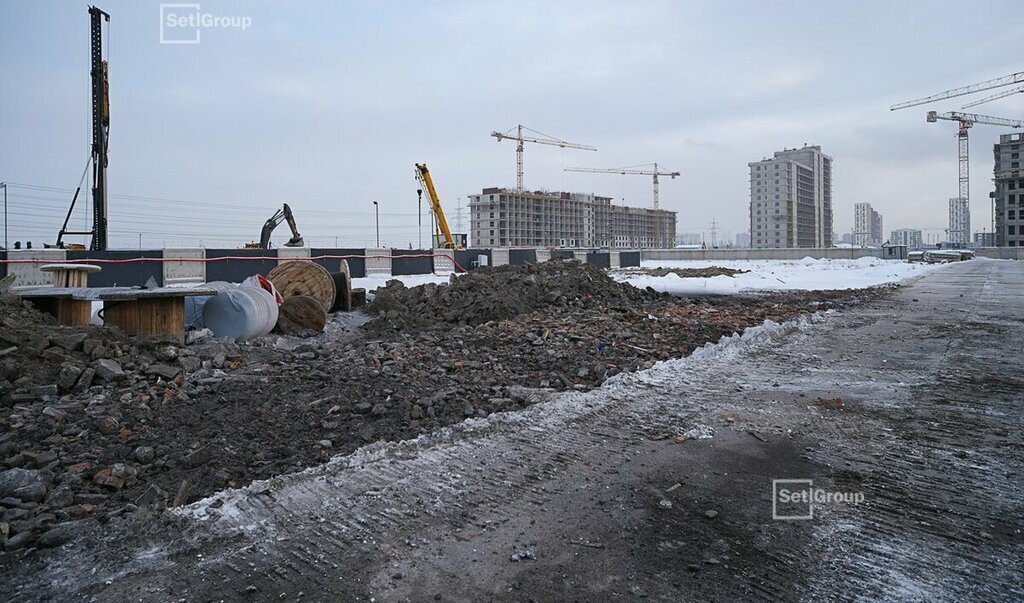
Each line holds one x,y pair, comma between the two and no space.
327,105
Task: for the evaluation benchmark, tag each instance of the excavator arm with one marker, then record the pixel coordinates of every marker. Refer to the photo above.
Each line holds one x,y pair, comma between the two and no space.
283,214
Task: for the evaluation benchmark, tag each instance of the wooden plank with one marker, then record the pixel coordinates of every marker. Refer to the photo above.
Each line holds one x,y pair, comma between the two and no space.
74,312
162,316
123,315
117,293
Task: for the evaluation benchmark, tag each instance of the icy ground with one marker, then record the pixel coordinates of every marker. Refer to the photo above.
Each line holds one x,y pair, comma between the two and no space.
776,275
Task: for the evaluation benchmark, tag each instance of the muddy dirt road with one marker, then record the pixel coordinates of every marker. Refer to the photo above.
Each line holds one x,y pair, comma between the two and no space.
912,402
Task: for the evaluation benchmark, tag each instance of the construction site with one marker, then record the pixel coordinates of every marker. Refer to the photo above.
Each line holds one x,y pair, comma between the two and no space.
556,403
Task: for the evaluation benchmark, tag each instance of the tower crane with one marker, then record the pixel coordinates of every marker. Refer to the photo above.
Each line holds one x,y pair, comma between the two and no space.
1006,80
540,139
966,121
997,95
632,170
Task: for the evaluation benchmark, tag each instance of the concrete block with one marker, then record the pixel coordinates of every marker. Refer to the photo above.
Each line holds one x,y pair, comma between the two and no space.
543,255
177,273
287,254
378,262
499,256
444,260
29,275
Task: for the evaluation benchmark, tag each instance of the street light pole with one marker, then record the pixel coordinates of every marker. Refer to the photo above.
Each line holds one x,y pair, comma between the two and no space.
419,216
6,246
376,216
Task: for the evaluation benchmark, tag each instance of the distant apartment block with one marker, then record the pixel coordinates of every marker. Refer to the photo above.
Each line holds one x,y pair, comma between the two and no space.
791,199
508,218
959,221
911,237
1008,197
688,238
867,226
742,240
984,239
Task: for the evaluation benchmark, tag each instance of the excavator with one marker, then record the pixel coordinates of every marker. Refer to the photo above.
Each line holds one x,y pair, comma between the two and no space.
423,175
285,213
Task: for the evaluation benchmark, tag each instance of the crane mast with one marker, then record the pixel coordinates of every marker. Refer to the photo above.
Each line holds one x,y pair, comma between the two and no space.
100,130
637,172
541,139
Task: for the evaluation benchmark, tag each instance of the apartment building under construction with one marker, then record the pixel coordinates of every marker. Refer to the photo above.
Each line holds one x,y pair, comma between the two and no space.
502,217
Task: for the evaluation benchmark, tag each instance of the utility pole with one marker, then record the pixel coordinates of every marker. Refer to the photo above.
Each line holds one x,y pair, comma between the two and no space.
376,215
419,217
6,246
714,233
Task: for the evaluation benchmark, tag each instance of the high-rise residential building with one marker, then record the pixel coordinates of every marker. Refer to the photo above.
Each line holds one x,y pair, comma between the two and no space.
959,221
791,199
867,226
742,240
911,237
1008,198
502,217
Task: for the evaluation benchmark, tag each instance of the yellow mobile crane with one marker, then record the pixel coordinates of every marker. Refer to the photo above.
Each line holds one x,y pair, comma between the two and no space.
423,175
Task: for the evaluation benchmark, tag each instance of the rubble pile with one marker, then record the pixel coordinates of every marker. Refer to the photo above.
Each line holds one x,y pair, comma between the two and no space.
95,425
499,293
75,402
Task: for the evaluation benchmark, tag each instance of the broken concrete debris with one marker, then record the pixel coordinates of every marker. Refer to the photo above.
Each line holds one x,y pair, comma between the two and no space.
95,425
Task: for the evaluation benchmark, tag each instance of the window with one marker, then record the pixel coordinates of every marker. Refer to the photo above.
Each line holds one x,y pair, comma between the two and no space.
1014,155
1015,164
1012,214
1012,185
1011,229
1011,199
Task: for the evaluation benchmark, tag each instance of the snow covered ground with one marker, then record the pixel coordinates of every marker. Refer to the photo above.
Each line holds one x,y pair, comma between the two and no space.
777,275
411,280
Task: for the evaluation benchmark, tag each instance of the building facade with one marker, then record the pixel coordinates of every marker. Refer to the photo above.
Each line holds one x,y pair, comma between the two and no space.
791,199
959,221
911,237
1008,198
867,226
502,217
984,239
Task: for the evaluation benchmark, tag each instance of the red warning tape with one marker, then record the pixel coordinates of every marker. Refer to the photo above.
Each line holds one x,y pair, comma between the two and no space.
243,258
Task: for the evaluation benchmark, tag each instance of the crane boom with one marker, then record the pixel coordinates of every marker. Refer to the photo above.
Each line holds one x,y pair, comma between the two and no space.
997,95
636,172
423,175
520,139
1014,78
974,118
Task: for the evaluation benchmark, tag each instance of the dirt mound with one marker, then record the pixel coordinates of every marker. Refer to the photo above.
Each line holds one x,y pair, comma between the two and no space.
500,293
